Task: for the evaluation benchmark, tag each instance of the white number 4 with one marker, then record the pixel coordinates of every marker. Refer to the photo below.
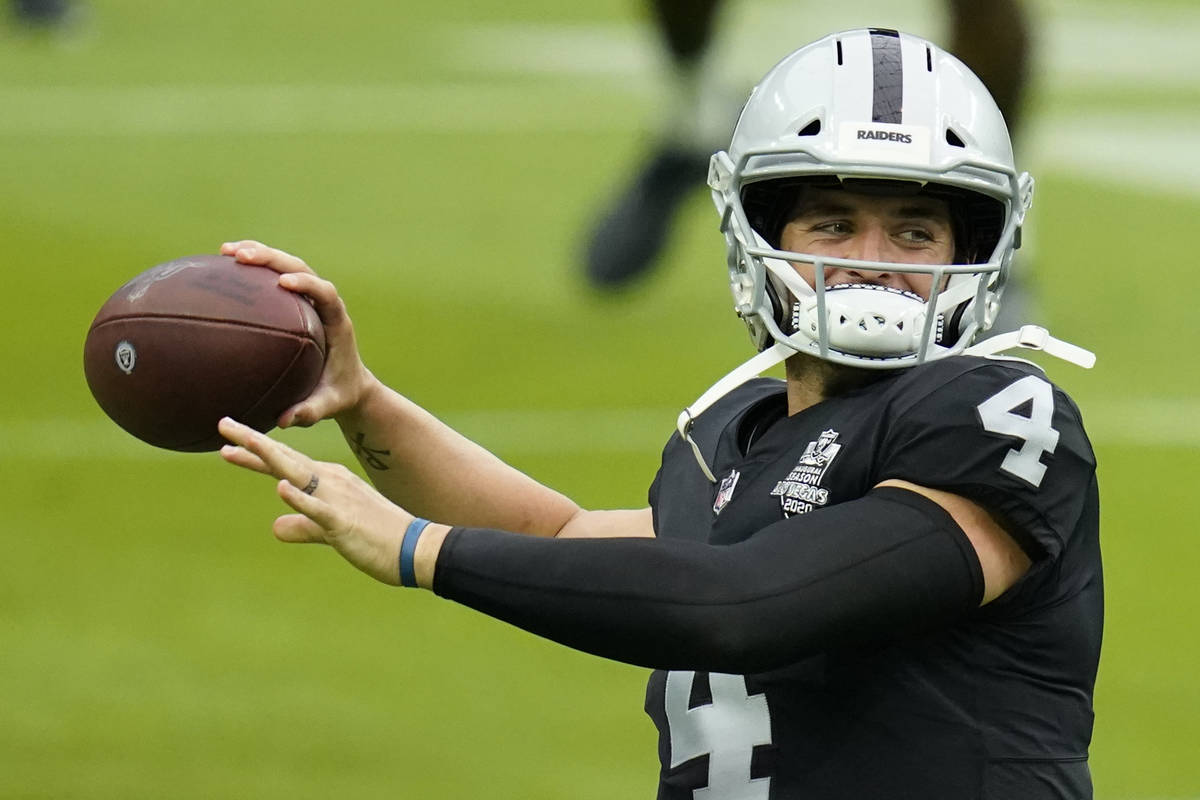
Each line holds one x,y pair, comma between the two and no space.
726,730
998,415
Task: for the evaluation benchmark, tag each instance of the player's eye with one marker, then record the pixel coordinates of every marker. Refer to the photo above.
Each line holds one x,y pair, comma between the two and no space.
917,236
834,227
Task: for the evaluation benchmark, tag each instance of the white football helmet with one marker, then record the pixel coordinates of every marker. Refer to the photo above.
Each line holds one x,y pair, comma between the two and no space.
870,105
869,110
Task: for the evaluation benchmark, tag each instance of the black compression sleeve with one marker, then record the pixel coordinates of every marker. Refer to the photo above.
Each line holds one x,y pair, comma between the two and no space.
889,564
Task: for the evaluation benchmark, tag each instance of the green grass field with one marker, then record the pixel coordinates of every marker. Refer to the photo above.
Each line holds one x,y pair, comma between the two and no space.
438,160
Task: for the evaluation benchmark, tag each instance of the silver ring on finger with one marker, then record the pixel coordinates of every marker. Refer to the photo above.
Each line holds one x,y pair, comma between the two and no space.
312,485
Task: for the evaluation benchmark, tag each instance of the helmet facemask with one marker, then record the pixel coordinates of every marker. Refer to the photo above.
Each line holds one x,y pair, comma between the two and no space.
863,324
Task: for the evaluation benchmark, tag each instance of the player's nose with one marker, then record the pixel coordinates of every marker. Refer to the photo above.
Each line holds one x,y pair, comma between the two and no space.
869,245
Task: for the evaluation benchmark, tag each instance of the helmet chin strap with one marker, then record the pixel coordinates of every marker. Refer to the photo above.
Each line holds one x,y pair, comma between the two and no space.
1034,337
775,354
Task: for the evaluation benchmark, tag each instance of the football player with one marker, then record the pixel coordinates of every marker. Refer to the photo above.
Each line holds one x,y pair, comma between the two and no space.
878,578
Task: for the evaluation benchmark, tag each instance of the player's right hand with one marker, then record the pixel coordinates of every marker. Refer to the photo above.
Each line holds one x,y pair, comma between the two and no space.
336,506
345,380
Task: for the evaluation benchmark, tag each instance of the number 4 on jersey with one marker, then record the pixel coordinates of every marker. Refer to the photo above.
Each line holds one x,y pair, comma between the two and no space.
726,730
998,415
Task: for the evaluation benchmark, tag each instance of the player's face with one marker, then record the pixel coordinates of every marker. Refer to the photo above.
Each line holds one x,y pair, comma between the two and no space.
895,229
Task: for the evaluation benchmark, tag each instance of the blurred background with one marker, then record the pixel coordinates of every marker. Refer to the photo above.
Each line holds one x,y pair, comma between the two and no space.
442,162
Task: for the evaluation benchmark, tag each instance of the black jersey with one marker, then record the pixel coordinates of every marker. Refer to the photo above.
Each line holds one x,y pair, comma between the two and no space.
998,705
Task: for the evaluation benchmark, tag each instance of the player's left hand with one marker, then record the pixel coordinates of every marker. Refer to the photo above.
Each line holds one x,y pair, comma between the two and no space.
336,506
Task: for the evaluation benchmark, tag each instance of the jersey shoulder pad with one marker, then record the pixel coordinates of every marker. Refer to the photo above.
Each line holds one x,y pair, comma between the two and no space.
996,431
722,418
709,430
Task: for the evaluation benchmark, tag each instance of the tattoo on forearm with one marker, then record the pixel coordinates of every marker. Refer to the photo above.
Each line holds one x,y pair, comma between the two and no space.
370,457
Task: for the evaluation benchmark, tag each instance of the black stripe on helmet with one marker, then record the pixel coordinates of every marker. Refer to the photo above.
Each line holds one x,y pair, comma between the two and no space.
888,103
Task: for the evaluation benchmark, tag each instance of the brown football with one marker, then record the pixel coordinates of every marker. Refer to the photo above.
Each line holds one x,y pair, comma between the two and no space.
198,338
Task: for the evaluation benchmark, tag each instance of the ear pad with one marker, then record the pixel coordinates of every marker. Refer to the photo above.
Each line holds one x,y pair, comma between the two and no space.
953,330
782,318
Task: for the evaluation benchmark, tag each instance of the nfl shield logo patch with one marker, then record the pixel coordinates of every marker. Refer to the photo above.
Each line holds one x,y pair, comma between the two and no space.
725,493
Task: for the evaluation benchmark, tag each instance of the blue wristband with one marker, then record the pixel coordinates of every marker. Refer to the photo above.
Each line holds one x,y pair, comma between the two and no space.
408,546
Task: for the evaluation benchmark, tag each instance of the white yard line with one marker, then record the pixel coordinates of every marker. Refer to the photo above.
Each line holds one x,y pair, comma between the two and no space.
1080,43
186,110
1144,422
1093,44
1150,149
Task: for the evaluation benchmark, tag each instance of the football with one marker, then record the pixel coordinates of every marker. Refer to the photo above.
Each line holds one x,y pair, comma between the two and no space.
198,338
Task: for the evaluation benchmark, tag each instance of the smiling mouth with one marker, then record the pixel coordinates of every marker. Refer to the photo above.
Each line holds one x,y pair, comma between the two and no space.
875,287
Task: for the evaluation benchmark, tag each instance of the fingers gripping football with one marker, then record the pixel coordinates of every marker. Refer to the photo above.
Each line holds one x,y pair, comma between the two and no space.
335,506
345,379
249,251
